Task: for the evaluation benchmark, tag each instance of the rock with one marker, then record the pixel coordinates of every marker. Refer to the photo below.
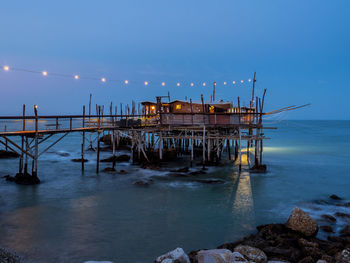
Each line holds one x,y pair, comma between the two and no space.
277,261
8,257
343,256
63,154
119,158
345,232
329,218
301,222
344,204
175,256
342,215
197,172
79,160
23,178
177,175
209,181
283,253
109,169
181,170
237,258
307,260
143,182
123,172
258,168
304,243
335,197
321,261
215,256
98,261
8,154
252,253
327,229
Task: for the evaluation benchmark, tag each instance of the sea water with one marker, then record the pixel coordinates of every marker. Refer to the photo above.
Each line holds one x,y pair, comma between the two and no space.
75,217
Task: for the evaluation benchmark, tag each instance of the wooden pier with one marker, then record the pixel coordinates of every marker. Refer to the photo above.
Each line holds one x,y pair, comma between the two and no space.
155,132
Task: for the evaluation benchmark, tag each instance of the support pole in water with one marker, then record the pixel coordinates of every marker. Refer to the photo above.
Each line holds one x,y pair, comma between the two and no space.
203,148
24,127
192,145
36,146
83,143
98,141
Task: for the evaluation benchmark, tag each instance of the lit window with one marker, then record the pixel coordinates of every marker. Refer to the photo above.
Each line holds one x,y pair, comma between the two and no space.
153,107
178,106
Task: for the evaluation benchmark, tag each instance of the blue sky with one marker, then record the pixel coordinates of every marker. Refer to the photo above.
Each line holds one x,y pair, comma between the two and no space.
299,49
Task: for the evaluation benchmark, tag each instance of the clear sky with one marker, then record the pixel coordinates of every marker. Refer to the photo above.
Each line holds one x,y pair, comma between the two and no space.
299,49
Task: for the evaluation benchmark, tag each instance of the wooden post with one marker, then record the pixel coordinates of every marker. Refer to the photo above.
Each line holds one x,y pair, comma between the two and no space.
228,146
23,128
192,147
90,106
36,146
160,145
239,150
83,143
203,148
98,141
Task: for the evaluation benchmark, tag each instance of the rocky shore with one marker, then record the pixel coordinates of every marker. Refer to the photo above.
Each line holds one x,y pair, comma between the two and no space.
8,257
293,241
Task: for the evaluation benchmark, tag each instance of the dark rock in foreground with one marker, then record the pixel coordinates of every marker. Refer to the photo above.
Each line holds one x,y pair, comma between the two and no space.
8,257
335,197
290,242
115,158
25,179
262,168
8,154
79,160
143,182
181,170
210,181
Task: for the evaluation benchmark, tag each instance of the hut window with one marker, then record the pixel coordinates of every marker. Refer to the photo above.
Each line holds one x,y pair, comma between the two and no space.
178,106
211,109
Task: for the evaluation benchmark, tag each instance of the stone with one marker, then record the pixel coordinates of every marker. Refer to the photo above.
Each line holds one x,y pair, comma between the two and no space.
343,256
304,243
345,232
327,229
302,222
237,258
181,170
277,261
210,181
252,253
335,197
329,218
215,256
8,154
177,255
119,158
109,169
307,260
123,172
79,160
321,261
342,215
143,182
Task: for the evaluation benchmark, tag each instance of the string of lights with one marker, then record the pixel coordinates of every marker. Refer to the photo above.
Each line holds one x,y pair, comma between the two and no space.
44,73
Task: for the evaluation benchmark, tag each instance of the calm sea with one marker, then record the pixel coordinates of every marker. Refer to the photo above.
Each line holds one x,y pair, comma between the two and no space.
74,217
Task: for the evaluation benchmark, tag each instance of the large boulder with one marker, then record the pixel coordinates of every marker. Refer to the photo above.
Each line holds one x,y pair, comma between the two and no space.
302,222
215,256
252,253
177,255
